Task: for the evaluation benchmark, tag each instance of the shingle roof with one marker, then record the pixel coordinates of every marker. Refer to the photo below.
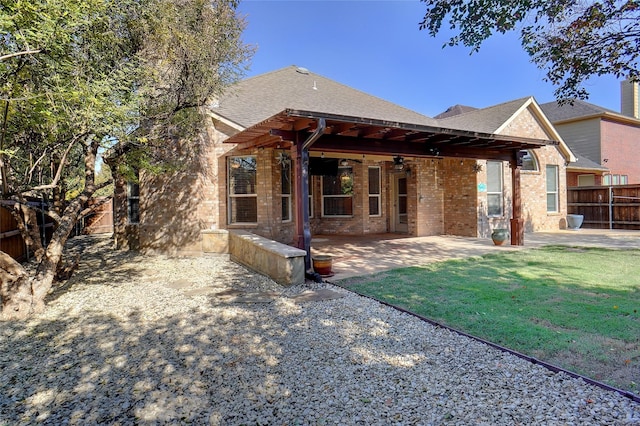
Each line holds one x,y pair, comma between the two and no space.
486,120
555,112
455,110
583,163
255,99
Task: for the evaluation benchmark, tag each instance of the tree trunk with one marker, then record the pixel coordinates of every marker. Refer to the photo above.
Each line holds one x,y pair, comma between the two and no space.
15,289
23,296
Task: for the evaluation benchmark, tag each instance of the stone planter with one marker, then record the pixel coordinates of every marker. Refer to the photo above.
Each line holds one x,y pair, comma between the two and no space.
499,236
322,265
574,221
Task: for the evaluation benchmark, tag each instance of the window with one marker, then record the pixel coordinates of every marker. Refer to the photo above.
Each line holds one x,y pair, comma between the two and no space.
586,180
285,184
552,189
310,196
133,202
615,180
243,199
528,161
374,191
494,188
337,193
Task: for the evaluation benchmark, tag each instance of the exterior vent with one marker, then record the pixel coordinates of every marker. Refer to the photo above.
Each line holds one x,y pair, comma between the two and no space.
302,70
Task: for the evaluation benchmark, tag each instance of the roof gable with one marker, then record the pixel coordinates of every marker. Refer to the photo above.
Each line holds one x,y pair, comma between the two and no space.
255,99
498,118
486,120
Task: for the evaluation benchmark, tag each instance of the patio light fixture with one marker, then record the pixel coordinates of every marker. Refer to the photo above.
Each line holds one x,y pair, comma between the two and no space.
398,162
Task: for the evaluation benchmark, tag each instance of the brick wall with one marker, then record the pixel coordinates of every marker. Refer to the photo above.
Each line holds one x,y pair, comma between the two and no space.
620,146
460,197
443,196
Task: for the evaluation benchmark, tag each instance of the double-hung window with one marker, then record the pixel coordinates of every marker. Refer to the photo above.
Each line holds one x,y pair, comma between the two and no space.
243,198
374,191
337,193
310,196
495,203
285,185
552,189
133,202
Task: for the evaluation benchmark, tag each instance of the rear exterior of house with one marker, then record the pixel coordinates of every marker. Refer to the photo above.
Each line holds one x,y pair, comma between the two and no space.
367,174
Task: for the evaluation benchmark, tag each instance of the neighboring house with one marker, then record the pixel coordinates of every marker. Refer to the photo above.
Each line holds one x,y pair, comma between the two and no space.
290,154
606,142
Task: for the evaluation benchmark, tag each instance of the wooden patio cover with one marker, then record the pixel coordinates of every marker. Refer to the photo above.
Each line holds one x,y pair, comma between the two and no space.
358,135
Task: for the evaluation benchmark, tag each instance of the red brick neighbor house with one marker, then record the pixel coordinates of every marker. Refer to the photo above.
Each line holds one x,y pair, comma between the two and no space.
290,154
606,142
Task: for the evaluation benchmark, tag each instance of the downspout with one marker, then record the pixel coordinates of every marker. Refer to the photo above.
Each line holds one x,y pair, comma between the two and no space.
302,182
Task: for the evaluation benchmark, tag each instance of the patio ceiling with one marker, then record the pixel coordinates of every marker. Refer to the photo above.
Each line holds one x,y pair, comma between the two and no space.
357,135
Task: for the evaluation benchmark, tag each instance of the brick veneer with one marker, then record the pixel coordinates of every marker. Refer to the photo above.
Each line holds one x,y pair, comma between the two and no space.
443,196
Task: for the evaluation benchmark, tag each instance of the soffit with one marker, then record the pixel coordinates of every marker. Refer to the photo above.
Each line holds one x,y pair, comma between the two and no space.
360,135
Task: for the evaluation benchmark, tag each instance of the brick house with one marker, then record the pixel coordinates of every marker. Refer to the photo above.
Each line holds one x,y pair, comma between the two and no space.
606,142
290,154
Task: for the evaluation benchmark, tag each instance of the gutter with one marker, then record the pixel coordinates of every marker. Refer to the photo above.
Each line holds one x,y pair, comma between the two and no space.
302,177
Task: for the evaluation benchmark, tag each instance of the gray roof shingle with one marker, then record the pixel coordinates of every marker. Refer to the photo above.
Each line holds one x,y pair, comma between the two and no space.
255,99
455,110
555,112
486,120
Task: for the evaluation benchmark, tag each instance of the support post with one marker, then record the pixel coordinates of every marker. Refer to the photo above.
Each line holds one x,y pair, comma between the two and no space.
517,222
303,229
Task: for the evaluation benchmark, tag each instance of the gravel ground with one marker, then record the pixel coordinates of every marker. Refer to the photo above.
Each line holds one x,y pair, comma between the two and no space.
136,339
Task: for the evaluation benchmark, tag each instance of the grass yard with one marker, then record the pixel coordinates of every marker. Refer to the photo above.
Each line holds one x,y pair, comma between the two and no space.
578,308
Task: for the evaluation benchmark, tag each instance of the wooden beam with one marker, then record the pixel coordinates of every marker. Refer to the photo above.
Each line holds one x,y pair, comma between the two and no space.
517,222
347,144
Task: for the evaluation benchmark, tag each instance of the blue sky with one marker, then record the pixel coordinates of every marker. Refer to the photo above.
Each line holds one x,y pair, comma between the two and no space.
376,47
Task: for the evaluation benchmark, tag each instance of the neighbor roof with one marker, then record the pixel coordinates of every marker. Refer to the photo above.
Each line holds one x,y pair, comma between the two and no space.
455,110
556,112
583,163
256,99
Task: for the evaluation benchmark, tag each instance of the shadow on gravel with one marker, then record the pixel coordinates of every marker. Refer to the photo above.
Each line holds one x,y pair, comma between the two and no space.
99,263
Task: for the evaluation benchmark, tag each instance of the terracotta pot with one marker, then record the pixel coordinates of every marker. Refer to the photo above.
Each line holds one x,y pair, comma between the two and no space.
499,236
322,264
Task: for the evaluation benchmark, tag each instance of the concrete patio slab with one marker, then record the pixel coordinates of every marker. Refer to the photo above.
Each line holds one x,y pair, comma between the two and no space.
364,255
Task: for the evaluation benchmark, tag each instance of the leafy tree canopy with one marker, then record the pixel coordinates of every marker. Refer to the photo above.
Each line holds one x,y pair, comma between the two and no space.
78,77
571,40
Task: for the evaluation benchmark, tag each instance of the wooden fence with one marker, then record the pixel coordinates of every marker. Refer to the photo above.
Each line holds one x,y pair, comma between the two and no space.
10,238
606,207
100,221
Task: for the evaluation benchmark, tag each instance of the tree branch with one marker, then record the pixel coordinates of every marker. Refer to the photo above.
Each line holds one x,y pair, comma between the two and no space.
56,178
24,52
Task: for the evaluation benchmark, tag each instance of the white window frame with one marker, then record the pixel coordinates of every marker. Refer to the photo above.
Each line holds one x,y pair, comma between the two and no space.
341,170
231,196
534,161
285,167
590,177
497,192
378,196
555,193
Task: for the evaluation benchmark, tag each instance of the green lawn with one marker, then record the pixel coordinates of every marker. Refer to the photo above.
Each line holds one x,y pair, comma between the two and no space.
577,308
